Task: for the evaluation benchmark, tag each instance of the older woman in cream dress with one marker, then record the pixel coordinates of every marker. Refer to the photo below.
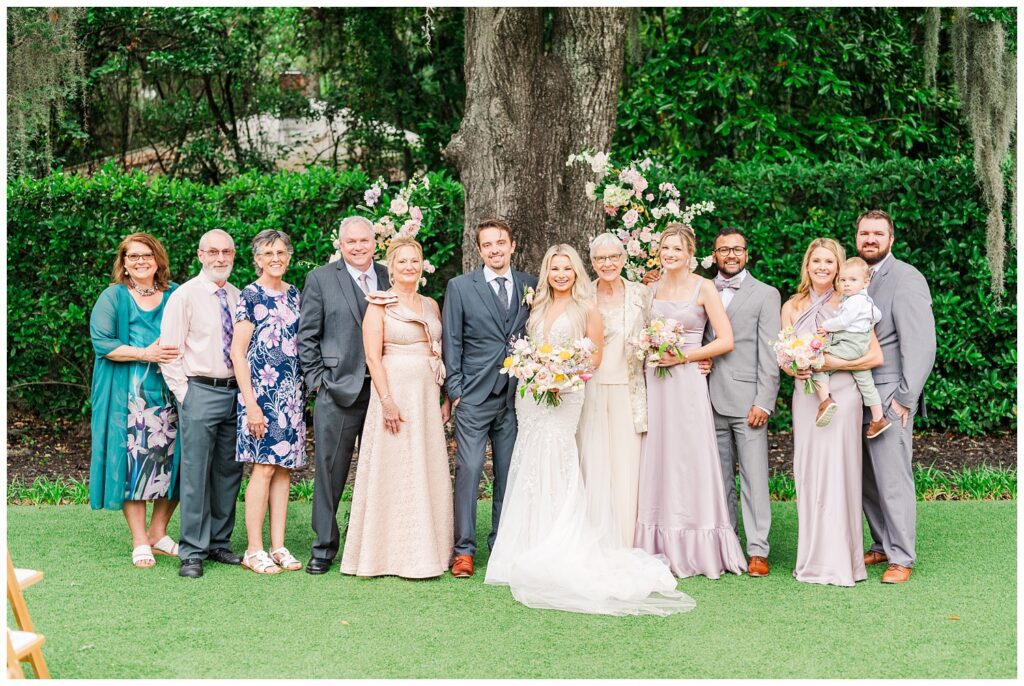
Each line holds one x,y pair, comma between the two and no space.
615,404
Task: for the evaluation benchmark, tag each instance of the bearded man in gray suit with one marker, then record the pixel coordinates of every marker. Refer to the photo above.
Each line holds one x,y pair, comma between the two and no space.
334,368
482,311
744,385
906,334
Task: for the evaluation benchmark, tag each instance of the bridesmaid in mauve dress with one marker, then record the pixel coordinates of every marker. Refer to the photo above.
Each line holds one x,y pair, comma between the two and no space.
402,519
682,510
826,460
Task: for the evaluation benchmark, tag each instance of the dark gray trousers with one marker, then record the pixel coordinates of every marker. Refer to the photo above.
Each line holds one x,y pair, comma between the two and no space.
335,429
495,418
209,477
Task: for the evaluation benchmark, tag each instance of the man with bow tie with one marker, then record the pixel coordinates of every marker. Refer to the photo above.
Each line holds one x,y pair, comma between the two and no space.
744,385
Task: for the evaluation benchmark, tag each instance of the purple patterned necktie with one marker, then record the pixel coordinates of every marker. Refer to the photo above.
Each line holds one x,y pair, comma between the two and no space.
226,327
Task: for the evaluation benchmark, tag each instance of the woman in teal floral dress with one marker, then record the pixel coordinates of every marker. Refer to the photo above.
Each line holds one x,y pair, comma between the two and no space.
271,422
134,419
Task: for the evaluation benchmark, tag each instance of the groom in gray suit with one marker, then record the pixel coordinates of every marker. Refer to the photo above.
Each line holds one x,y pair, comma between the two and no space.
744,385
906,334
482,311
334,368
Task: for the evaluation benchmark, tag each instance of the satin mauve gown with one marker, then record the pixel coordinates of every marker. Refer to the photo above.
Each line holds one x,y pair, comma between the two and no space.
682,510
827,469
402,522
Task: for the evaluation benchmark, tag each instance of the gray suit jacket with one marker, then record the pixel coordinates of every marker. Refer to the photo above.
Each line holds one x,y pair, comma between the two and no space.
906,333
475,341
331,331
749,375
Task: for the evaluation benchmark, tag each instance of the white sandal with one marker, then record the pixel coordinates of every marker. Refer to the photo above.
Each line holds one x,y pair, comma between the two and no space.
143,553
166,546
260,563
285,559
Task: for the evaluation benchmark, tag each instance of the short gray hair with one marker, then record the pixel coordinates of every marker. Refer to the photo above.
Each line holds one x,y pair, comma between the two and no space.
606,240
266,238
348,221
211,232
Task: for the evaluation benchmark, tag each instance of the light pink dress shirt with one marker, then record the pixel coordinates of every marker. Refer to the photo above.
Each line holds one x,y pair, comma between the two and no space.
192,322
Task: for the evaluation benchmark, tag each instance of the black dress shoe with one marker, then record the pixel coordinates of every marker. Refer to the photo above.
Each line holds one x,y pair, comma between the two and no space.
192,568
225,556
318,565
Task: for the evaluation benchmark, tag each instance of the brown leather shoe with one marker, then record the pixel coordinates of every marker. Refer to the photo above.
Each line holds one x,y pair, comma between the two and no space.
758,566
826,410
463,566
875,428
873,557
896,574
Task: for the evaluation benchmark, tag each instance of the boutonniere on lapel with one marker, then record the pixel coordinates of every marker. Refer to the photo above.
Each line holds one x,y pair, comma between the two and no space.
527,296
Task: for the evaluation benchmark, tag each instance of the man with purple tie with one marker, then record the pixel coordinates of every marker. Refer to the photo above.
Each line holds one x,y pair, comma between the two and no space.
198,319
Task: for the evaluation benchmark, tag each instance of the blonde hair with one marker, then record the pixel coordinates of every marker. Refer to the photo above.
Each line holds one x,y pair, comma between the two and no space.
832,245
857,263
685,235
393,248
581,295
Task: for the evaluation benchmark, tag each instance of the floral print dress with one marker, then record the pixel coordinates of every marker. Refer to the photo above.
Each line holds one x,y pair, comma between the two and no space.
152,416
273,358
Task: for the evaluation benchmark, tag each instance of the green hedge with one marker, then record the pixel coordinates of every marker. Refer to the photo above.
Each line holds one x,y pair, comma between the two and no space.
62,232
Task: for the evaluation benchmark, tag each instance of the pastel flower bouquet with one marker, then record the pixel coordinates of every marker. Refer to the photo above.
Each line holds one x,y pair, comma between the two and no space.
800,352
546,371
397,212
639,201
661,335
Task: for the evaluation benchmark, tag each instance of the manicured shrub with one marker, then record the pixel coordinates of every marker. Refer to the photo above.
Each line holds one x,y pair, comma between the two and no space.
62,232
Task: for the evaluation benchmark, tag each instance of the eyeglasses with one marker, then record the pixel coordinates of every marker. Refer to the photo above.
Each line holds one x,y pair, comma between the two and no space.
138,257
725,252
280,254
601,259
220,253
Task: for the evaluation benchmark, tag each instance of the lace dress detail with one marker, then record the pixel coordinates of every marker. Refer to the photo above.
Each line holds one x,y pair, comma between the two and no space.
547,549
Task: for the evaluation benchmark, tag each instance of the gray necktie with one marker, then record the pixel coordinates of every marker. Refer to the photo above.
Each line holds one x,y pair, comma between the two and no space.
364,283
502,294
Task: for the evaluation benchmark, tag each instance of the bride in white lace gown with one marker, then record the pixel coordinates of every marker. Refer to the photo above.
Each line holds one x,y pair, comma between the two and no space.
548,550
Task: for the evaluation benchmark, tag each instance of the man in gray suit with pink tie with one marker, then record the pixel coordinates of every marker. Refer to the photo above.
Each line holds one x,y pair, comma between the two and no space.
744,385
906,334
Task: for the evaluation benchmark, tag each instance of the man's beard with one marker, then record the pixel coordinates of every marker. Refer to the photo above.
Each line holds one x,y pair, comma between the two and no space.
218,274
882,254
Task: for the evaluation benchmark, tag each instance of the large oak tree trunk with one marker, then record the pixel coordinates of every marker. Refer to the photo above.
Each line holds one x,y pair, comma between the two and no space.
535,95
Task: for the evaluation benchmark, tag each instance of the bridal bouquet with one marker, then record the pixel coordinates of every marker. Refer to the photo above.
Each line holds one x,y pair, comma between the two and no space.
800,352
658,337
547,371
639,200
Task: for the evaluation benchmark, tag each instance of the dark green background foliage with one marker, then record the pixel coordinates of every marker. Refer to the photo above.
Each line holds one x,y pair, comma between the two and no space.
63,231
778,84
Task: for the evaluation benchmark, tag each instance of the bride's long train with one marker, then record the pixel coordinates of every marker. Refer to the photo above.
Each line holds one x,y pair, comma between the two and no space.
548,550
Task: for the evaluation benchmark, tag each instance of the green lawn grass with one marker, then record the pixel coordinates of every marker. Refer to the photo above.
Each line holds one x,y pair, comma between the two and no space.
104,619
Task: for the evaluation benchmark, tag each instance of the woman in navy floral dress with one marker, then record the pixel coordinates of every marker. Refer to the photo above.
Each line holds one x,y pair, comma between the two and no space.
271,425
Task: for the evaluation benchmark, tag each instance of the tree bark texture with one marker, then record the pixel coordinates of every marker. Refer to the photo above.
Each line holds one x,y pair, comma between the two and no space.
535,95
